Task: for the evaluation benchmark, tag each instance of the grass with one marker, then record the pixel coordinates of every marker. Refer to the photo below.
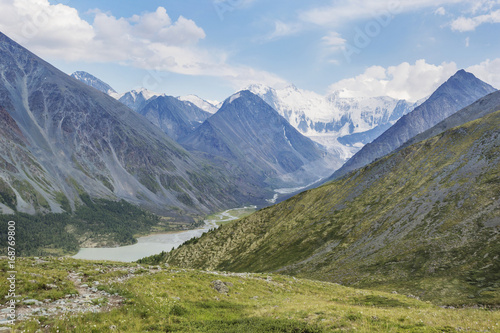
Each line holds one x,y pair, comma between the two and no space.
167,299
231,215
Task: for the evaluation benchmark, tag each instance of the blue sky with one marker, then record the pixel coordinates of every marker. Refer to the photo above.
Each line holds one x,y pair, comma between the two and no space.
212,48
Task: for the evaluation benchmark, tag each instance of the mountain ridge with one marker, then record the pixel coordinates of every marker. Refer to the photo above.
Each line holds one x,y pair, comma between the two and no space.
249,131
457,92
94,82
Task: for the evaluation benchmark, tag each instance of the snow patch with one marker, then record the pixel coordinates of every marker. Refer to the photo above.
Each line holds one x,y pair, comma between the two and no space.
286,138
234,97
205,105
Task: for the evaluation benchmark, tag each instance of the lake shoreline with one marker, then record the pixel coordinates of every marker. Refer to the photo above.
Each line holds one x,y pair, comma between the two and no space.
157,242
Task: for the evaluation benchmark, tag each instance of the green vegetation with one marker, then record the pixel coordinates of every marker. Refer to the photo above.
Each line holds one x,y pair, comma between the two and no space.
231,215
99,221
167,299
421,221
7,195
63,201
29,194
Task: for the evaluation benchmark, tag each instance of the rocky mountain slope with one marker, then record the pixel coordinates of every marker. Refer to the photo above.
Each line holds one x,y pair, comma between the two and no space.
175,117
248,132
78,140
425,219
456,93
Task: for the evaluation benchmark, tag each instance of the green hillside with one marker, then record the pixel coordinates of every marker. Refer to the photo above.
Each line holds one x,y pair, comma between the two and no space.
67,295
423,220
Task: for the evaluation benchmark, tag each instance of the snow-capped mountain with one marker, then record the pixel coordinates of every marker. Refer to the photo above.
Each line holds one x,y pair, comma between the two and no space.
334,121
251,136
94,82
209,106
459,91
137,99
175,117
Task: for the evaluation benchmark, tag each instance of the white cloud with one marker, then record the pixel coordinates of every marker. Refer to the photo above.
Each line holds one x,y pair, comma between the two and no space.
150,41
483,5
488,71
462,23
440,11
467,42
334,41
282,29
342,11
404,81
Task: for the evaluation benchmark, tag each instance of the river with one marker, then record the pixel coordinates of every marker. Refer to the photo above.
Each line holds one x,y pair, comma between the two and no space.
154,244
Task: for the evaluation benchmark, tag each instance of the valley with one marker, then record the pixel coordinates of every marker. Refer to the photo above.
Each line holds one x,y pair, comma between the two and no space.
191,186
161,242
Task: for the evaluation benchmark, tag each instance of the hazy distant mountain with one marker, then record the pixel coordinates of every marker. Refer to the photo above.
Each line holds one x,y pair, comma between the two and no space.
207,106
249,132
343,124
67,138
137,99
457,92
175,117
94,82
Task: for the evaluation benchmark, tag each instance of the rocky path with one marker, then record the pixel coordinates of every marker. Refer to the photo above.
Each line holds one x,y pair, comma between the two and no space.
87,299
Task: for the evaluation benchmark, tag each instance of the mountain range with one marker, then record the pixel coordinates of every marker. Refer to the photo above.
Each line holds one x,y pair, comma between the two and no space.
71,139
342,124
208,106
136,99
424,219
252,137
456,93
416,209
248,132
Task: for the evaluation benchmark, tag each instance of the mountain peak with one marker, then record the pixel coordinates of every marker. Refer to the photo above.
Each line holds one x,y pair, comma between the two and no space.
459,91
463,75
245,94
93,81
464,84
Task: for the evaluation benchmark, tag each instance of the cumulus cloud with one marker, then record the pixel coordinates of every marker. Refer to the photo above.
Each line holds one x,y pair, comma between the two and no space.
463,24
404,81
488,71
152,41
334,41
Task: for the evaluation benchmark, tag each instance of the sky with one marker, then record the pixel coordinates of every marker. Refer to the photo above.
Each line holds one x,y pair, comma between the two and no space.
212,48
